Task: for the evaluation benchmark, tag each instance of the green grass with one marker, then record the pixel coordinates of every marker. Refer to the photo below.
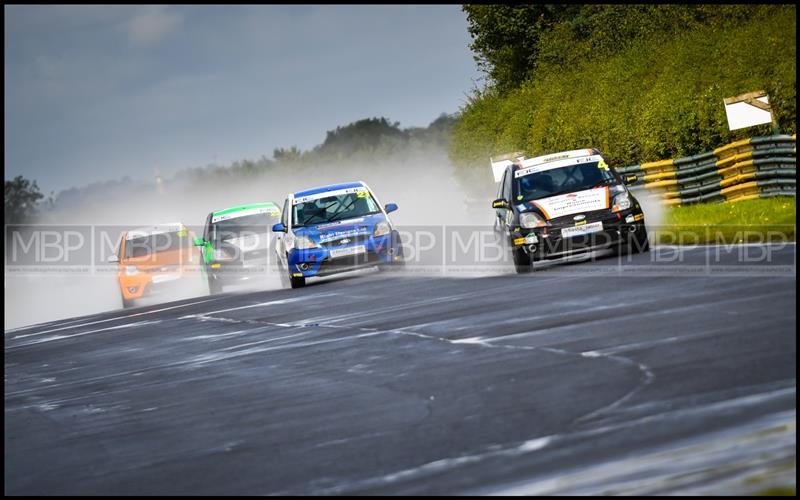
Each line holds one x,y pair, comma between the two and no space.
778,492
768,219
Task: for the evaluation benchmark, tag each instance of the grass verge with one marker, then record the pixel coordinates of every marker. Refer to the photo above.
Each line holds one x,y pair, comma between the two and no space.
750,221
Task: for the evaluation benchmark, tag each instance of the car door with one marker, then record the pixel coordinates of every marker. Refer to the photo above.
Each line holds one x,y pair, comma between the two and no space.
505,215
499,213
206,250
280,238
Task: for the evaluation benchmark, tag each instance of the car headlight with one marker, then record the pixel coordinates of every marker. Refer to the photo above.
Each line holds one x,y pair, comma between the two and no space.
622,201
381,228
131,270
530,220
304,243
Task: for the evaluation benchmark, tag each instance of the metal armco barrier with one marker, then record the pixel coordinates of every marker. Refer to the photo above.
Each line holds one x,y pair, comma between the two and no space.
758,167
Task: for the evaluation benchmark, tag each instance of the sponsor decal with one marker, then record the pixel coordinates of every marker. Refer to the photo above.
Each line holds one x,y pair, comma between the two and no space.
572,203
548,159
335,235
638,217
327,194
519,241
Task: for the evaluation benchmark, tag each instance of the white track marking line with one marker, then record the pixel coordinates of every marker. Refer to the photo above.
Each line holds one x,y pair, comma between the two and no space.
111,319
61,337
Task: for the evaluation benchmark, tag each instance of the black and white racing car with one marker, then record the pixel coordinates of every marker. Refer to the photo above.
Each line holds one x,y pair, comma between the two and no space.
564,203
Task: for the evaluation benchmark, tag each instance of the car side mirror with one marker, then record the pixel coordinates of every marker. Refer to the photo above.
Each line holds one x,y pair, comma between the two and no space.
390,207
500,203
113,259
198,242
279,228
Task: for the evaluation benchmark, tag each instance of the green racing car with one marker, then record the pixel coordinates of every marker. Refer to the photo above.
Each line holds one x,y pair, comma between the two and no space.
236,242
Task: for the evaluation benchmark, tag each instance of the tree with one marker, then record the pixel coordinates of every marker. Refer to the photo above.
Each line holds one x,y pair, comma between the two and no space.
292,154
22,197
505,38
367,135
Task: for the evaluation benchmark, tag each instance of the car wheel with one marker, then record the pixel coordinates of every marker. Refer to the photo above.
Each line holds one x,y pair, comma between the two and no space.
214,286
297,282
642,242
522,261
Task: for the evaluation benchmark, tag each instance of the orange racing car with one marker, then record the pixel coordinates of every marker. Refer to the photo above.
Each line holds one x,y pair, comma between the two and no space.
153,259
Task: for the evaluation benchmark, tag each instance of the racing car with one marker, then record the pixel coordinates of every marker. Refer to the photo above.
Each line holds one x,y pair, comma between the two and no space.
152,260
235,244
335,228
564,203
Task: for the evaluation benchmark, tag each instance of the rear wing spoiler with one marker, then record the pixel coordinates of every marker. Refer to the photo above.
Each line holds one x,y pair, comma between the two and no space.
500,163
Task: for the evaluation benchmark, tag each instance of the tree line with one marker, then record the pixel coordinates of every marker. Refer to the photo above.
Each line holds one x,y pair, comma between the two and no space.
368,139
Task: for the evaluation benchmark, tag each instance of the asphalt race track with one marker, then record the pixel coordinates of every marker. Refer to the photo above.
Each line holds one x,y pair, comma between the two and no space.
586,378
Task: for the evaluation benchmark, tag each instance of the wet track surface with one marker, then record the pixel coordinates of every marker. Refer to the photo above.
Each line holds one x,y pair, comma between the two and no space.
585,378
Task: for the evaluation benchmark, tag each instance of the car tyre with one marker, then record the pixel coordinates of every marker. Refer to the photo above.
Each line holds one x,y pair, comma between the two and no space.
522,260
214,286
642,242
297,282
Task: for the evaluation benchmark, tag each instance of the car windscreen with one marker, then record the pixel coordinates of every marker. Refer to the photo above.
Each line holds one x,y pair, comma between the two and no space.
333,208
561,180
237,227
145,246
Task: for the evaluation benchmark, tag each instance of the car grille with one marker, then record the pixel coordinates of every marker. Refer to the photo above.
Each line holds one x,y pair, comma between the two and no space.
594,216
361,238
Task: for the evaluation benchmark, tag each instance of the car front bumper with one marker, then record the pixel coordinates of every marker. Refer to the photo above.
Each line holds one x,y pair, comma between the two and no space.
324,261
548,242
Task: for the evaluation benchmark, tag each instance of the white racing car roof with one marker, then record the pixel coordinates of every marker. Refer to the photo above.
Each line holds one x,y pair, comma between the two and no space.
141,232
562,158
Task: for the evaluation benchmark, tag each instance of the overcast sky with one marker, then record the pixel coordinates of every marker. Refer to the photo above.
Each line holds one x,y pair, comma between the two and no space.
99,92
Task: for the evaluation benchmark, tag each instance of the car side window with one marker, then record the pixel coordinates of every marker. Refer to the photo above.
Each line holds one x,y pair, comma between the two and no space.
207,227
120,247
507,187
285,213
501,186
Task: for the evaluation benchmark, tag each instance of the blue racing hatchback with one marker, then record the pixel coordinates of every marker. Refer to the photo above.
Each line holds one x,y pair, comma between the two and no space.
333,229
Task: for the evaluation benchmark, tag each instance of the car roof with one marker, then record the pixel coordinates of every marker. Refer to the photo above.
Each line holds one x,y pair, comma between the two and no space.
249,206
330,187
141,232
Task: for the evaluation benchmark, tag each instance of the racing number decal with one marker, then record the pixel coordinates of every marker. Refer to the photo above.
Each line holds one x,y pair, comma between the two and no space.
602,165
361,194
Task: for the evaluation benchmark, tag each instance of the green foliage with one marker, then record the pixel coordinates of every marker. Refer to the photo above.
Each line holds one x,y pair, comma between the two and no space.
506,37
22,197
641,83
